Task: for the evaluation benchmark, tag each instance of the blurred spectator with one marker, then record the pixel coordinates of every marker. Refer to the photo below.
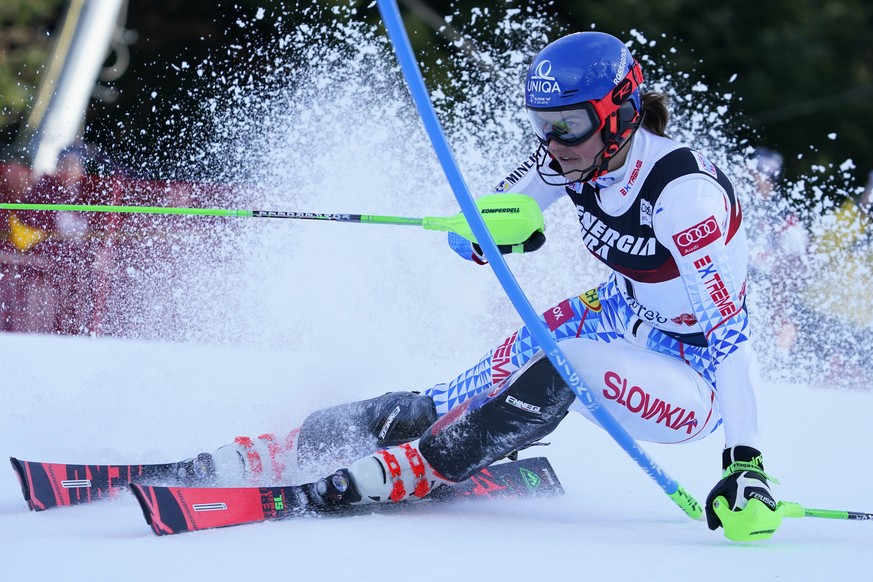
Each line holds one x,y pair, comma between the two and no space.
16,179
839,293
94,273
59,254
845,240
767,171
779,249
64,186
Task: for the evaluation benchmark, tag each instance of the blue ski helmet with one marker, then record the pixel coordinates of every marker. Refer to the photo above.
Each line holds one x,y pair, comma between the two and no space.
593,81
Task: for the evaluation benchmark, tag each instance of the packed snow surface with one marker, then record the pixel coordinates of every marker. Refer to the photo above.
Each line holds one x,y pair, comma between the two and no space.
119,401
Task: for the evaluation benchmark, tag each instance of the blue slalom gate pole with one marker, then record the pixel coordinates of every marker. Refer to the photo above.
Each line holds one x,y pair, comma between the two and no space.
403,49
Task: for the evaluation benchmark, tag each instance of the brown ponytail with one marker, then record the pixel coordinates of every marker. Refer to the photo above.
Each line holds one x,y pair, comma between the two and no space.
655,114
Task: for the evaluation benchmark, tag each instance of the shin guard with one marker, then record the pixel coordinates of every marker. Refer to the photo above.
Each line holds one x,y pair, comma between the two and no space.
493,424
340,434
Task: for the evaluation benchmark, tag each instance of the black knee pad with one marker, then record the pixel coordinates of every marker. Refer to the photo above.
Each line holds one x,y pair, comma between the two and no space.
493,424
344,433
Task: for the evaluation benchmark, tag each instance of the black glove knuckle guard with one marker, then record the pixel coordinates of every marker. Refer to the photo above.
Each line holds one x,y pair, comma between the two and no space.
533,243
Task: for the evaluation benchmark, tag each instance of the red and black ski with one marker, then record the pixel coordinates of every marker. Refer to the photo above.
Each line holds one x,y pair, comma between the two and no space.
171,510
47,485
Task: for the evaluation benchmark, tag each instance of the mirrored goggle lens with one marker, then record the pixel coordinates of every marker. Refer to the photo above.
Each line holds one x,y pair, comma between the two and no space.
566,125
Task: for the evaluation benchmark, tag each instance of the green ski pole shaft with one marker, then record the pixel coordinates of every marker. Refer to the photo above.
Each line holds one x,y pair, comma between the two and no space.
336,217
511,218
837,514
791,509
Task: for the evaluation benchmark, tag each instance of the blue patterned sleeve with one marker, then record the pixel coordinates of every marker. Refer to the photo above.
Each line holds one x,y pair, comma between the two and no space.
464,248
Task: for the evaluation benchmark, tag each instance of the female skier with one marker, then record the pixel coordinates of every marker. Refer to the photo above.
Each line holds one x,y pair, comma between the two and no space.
664,341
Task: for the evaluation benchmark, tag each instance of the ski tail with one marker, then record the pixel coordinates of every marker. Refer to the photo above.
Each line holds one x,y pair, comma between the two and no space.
171,510
23,481
48,485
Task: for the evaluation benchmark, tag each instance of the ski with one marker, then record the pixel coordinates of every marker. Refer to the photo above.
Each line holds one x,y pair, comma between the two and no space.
172,510
48,485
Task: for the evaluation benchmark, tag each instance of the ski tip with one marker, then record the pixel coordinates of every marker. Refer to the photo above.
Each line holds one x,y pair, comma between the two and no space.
22,480
547,472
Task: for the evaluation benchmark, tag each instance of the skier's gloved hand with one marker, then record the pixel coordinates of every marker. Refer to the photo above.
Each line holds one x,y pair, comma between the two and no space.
741,502
533,243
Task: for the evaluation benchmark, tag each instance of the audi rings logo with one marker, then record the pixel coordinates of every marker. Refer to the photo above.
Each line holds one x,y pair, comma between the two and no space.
544,71
698,236
695,234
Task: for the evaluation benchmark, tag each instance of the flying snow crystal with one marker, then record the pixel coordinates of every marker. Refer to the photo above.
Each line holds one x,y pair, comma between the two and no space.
321,121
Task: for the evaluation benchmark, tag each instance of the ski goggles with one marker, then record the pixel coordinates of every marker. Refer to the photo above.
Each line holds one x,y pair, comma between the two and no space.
575,124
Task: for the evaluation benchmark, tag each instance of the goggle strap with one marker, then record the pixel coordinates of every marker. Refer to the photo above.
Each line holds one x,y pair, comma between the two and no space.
607,106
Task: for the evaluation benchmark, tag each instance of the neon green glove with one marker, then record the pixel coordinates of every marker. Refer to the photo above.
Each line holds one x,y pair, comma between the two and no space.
741,502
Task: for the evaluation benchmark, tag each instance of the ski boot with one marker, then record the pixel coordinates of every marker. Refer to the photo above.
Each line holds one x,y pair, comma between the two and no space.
393,474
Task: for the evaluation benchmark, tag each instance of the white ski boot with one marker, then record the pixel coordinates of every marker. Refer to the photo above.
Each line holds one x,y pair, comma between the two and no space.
394,474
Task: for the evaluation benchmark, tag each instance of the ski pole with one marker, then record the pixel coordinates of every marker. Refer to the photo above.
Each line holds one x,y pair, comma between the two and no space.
421,97
791,509
511,218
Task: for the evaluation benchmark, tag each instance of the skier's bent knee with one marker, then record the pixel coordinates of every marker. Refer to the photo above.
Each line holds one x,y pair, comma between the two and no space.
327,438
493,424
